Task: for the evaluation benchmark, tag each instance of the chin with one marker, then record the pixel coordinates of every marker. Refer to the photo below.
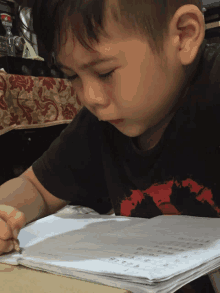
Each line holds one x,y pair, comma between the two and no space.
131,132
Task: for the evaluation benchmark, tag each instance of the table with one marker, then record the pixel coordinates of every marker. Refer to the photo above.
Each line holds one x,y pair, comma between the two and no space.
215,280
14,279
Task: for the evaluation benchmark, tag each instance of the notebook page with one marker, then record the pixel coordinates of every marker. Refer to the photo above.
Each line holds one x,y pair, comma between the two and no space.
45,227
156,249
59,223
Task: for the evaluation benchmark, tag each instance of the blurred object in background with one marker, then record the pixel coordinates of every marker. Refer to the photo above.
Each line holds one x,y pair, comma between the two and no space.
22,55
25,3
25,15
17,37
29,67
9,32
211,10
6,20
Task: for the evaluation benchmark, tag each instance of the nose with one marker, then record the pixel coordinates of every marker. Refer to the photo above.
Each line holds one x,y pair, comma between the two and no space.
92,94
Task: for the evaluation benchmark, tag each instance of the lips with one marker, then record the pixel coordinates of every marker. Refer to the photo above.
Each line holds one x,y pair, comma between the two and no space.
116,121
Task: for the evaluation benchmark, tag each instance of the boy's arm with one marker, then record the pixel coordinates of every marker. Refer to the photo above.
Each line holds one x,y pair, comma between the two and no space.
28,195
53,204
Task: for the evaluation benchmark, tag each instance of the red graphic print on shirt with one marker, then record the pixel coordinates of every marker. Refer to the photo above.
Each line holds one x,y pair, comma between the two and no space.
161,194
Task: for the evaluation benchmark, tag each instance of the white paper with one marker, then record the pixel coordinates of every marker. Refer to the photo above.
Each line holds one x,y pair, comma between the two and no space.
120,246
154,255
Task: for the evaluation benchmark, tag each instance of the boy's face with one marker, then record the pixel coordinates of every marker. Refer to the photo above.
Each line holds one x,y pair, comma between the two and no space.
142,90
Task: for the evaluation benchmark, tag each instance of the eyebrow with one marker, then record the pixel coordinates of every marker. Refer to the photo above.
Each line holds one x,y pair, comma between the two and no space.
89,64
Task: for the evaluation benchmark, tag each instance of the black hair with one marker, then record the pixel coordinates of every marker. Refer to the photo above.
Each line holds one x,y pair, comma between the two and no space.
150,18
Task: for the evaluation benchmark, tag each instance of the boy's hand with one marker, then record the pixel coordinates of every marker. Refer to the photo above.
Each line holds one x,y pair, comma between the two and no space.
11,222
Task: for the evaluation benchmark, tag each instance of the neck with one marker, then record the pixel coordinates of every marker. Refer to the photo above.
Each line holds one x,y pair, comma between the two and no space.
150,138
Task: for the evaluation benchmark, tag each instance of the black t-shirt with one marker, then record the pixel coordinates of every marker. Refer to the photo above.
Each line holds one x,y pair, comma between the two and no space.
93,164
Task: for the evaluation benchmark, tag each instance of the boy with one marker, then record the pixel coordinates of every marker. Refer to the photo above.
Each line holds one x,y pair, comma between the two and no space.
155,151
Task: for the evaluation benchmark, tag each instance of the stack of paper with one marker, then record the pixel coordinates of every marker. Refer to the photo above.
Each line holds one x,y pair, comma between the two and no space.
161,254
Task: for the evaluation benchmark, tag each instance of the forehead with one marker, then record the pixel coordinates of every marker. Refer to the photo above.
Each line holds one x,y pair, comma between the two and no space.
74,55
118,39
71,50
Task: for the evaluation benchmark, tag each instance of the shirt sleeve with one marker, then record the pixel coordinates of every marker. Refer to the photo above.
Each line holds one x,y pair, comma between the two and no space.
72,169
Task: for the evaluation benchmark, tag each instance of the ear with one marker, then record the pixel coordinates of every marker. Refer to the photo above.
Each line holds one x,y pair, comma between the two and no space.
187,29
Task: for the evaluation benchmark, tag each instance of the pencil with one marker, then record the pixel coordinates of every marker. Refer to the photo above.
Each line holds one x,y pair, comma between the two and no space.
16,245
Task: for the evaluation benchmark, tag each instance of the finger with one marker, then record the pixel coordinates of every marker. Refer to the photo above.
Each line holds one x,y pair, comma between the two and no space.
6,231
16,221
13,218
6,246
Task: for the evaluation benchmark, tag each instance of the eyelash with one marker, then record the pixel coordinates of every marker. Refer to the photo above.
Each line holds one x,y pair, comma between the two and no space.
102,76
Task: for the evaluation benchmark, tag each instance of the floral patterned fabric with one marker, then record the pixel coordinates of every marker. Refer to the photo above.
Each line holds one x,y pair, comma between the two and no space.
35,102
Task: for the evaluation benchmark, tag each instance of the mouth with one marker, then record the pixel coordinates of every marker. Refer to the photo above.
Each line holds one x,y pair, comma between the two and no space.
116,121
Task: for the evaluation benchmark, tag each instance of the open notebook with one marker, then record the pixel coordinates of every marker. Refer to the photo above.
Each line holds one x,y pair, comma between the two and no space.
161,254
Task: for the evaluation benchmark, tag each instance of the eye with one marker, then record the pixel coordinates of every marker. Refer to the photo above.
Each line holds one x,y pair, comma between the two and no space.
102,76
106,75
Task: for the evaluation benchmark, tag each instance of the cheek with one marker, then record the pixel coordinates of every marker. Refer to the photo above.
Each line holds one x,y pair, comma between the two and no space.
130,85
78,91
110,90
